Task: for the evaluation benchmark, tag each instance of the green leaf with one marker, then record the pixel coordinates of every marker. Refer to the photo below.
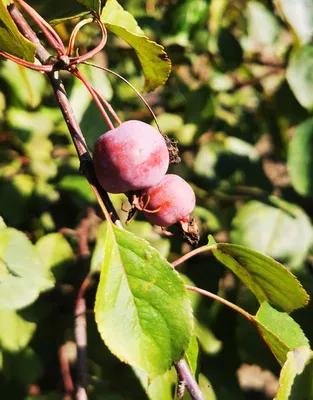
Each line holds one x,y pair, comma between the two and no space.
28,86
28,276
154,61
300,76
160,387
266,278
56,253
78,188
11,40
142,309
300,158
17,191
140,228
24,367
263,227
15,331
192,354
296,377
299,15
91,5
280,331
57,11
258,17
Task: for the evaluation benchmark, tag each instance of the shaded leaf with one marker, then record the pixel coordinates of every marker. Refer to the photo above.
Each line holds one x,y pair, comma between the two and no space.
263,227
300,76
24,367
296,377
91,5
11,40
17,191
300,158
299,15
154,61
265,277
58,11
142,309
280,331
28,278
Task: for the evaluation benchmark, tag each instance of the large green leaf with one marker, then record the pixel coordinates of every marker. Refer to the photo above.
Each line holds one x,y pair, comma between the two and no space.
280,331
300,158
299,15
11,40
154,61
300,75
15,331
296,377
27,276
142,309
266,278
263,227
141,228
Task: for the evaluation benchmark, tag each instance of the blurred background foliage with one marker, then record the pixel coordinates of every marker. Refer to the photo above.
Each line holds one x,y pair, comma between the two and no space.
239,102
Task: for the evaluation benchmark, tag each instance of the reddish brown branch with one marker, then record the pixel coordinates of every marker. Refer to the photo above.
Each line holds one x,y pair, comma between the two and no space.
87,169
65,370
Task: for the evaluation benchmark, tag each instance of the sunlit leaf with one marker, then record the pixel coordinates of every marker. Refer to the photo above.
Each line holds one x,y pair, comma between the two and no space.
280,331
300,76
296,376
258,17
28,277
154,61
265,277
56,253
299,15
263,227
142,309
11,40
15,331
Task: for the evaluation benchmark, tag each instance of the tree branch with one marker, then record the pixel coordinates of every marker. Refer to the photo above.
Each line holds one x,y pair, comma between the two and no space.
87,170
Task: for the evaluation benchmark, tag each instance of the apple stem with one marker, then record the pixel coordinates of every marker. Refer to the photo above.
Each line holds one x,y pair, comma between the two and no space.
108,105
221,300
74,33
27,64
50,34
97,49
94,95
129,84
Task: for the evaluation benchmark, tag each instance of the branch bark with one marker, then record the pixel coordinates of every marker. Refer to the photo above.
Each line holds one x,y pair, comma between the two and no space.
87,169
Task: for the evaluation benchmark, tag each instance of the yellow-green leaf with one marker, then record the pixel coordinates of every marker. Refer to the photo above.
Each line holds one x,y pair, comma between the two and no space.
154,61
11,40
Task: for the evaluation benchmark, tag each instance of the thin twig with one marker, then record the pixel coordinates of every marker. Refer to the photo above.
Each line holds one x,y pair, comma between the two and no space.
65,370
255,80
191,385
185,257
